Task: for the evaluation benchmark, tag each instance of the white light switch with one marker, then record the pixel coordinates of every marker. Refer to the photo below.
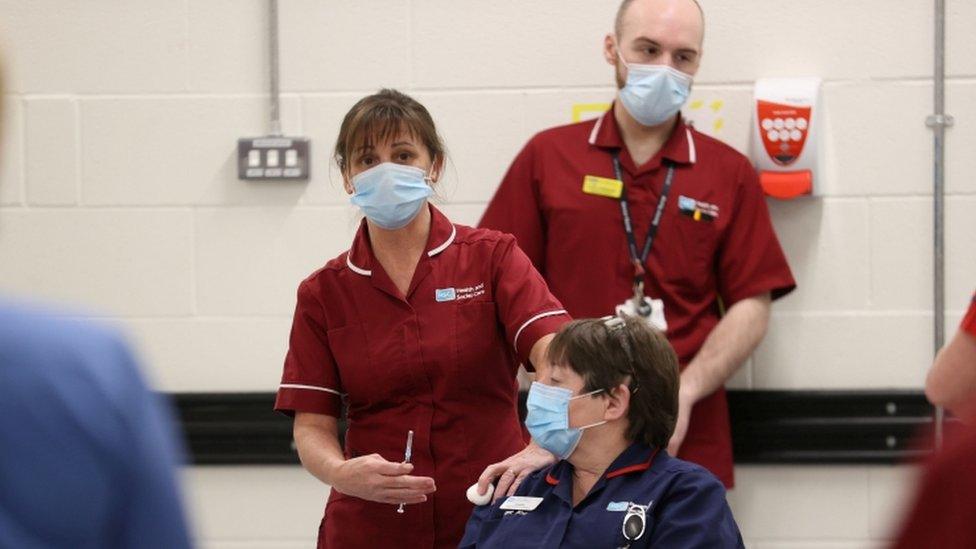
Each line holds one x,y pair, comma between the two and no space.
253,158
272,158
291,158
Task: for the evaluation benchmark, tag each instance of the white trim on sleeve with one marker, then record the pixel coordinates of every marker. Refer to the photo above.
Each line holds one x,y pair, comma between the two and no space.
533,319
309,387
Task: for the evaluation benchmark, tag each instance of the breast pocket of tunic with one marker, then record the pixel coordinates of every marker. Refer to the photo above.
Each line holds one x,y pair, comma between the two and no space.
372,372
691,259
478,341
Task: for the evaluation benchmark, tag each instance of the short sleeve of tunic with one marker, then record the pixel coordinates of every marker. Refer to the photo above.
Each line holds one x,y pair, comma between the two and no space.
750,258
968,324
526,308
310,381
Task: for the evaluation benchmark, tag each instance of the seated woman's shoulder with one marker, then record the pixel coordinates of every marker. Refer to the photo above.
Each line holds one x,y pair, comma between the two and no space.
691,472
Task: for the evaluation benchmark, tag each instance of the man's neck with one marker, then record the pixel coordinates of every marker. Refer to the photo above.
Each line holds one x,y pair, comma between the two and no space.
642,142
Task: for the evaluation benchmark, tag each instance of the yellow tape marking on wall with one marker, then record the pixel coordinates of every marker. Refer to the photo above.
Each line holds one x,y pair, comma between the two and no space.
582,109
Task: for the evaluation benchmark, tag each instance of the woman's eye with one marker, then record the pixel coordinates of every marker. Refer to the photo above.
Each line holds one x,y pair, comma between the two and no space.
404,156
367,161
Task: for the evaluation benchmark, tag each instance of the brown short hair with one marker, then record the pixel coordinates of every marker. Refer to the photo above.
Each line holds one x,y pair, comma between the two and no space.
625,350
381,116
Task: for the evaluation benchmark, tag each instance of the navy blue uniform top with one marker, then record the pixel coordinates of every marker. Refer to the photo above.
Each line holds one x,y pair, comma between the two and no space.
87,453
686,508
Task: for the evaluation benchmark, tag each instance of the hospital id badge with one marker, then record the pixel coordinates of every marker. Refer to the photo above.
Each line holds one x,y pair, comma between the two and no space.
652,311
520,503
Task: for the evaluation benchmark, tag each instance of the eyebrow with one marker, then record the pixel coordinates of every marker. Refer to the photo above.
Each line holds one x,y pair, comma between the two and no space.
399,143
658,44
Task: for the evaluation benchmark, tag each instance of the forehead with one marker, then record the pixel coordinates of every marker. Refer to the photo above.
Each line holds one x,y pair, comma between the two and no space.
566,374
379,134
671,23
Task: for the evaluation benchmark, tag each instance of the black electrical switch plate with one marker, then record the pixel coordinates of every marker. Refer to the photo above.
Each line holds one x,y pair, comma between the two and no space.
265,158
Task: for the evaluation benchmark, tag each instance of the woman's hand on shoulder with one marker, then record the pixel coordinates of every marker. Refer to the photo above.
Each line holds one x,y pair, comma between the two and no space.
376,479
512,471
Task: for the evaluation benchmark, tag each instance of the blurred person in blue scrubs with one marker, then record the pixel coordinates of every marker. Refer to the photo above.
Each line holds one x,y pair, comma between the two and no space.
88,454
607,411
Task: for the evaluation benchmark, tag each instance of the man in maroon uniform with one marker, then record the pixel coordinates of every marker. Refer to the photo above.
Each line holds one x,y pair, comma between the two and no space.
637,212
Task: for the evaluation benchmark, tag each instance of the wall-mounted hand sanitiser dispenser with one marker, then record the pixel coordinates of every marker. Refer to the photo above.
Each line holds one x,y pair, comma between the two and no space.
785,135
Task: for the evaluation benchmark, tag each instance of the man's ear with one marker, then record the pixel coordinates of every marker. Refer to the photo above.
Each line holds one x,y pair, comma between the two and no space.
618,403
610,49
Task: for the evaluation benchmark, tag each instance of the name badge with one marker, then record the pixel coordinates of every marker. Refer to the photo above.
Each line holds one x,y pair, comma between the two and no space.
602,186
520,503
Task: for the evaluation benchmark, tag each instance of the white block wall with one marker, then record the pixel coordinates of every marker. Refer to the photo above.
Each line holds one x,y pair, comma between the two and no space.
118,192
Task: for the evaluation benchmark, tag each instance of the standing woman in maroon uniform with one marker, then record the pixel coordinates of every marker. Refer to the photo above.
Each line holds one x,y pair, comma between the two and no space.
419,327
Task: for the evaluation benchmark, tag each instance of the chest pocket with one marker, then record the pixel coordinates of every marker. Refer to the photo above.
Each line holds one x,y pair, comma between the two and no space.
688,249
372,373
477,341
501,530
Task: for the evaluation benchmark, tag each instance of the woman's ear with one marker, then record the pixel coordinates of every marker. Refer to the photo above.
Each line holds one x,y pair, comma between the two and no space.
437,168
347,183
618,403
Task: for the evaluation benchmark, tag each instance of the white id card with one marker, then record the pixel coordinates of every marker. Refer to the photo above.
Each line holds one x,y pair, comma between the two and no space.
520,503
656,316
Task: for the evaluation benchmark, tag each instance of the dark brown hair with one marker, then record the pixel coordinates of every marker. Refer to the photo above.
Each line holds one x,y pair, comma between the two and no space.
382,116
625,351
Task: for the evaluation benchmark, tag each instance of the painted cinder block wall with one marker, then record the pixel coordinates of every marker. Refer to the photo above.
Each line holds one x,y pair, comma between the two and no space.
118,193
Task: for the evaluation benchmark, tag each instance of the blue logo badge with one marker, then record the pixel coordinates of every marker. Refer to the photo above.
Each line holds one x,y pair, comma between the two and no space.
445,294
618,506
687,204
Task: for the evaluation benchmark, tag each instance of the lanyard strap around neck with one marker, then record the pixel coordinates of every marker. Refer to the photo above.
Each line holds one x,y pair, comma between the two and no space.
638,259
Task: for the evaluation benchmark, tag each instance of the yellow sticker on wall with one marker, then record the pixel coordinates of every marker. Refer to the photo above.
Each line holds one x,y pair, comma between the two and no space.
602,186
582,111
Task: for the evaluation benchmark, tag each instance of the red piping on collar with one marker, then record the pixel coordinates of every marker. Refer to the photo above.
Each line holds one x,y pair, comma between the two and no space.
633,468
551,479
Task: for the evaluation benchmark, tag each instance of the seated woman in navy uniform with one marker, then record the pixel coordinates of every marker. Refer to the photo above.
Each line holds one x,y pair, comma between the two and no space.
607,411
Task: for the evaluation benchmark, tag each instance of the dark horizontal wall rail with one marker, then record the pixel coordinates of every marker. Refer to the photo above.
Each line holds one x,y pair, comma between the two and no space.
767,427
830,426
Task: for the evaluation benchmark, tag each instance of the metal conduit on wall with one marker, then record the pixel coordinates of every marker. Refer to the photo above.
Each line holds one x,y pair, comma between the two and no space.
939,121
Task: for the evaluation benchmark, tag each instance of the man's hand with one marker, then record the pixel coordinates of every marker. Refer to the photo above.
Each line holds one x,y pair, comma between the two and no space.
685,403
731,342
512,471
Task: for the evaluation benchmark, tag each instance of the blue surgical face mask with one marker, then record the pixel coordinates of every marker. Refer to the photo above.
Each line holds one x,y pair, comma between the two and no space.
548,419
391,195
654,93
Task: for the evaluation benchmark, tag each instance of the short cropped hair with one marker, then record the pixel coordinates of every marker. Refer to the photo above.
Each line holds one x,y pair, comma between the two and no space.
625,351
618,21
